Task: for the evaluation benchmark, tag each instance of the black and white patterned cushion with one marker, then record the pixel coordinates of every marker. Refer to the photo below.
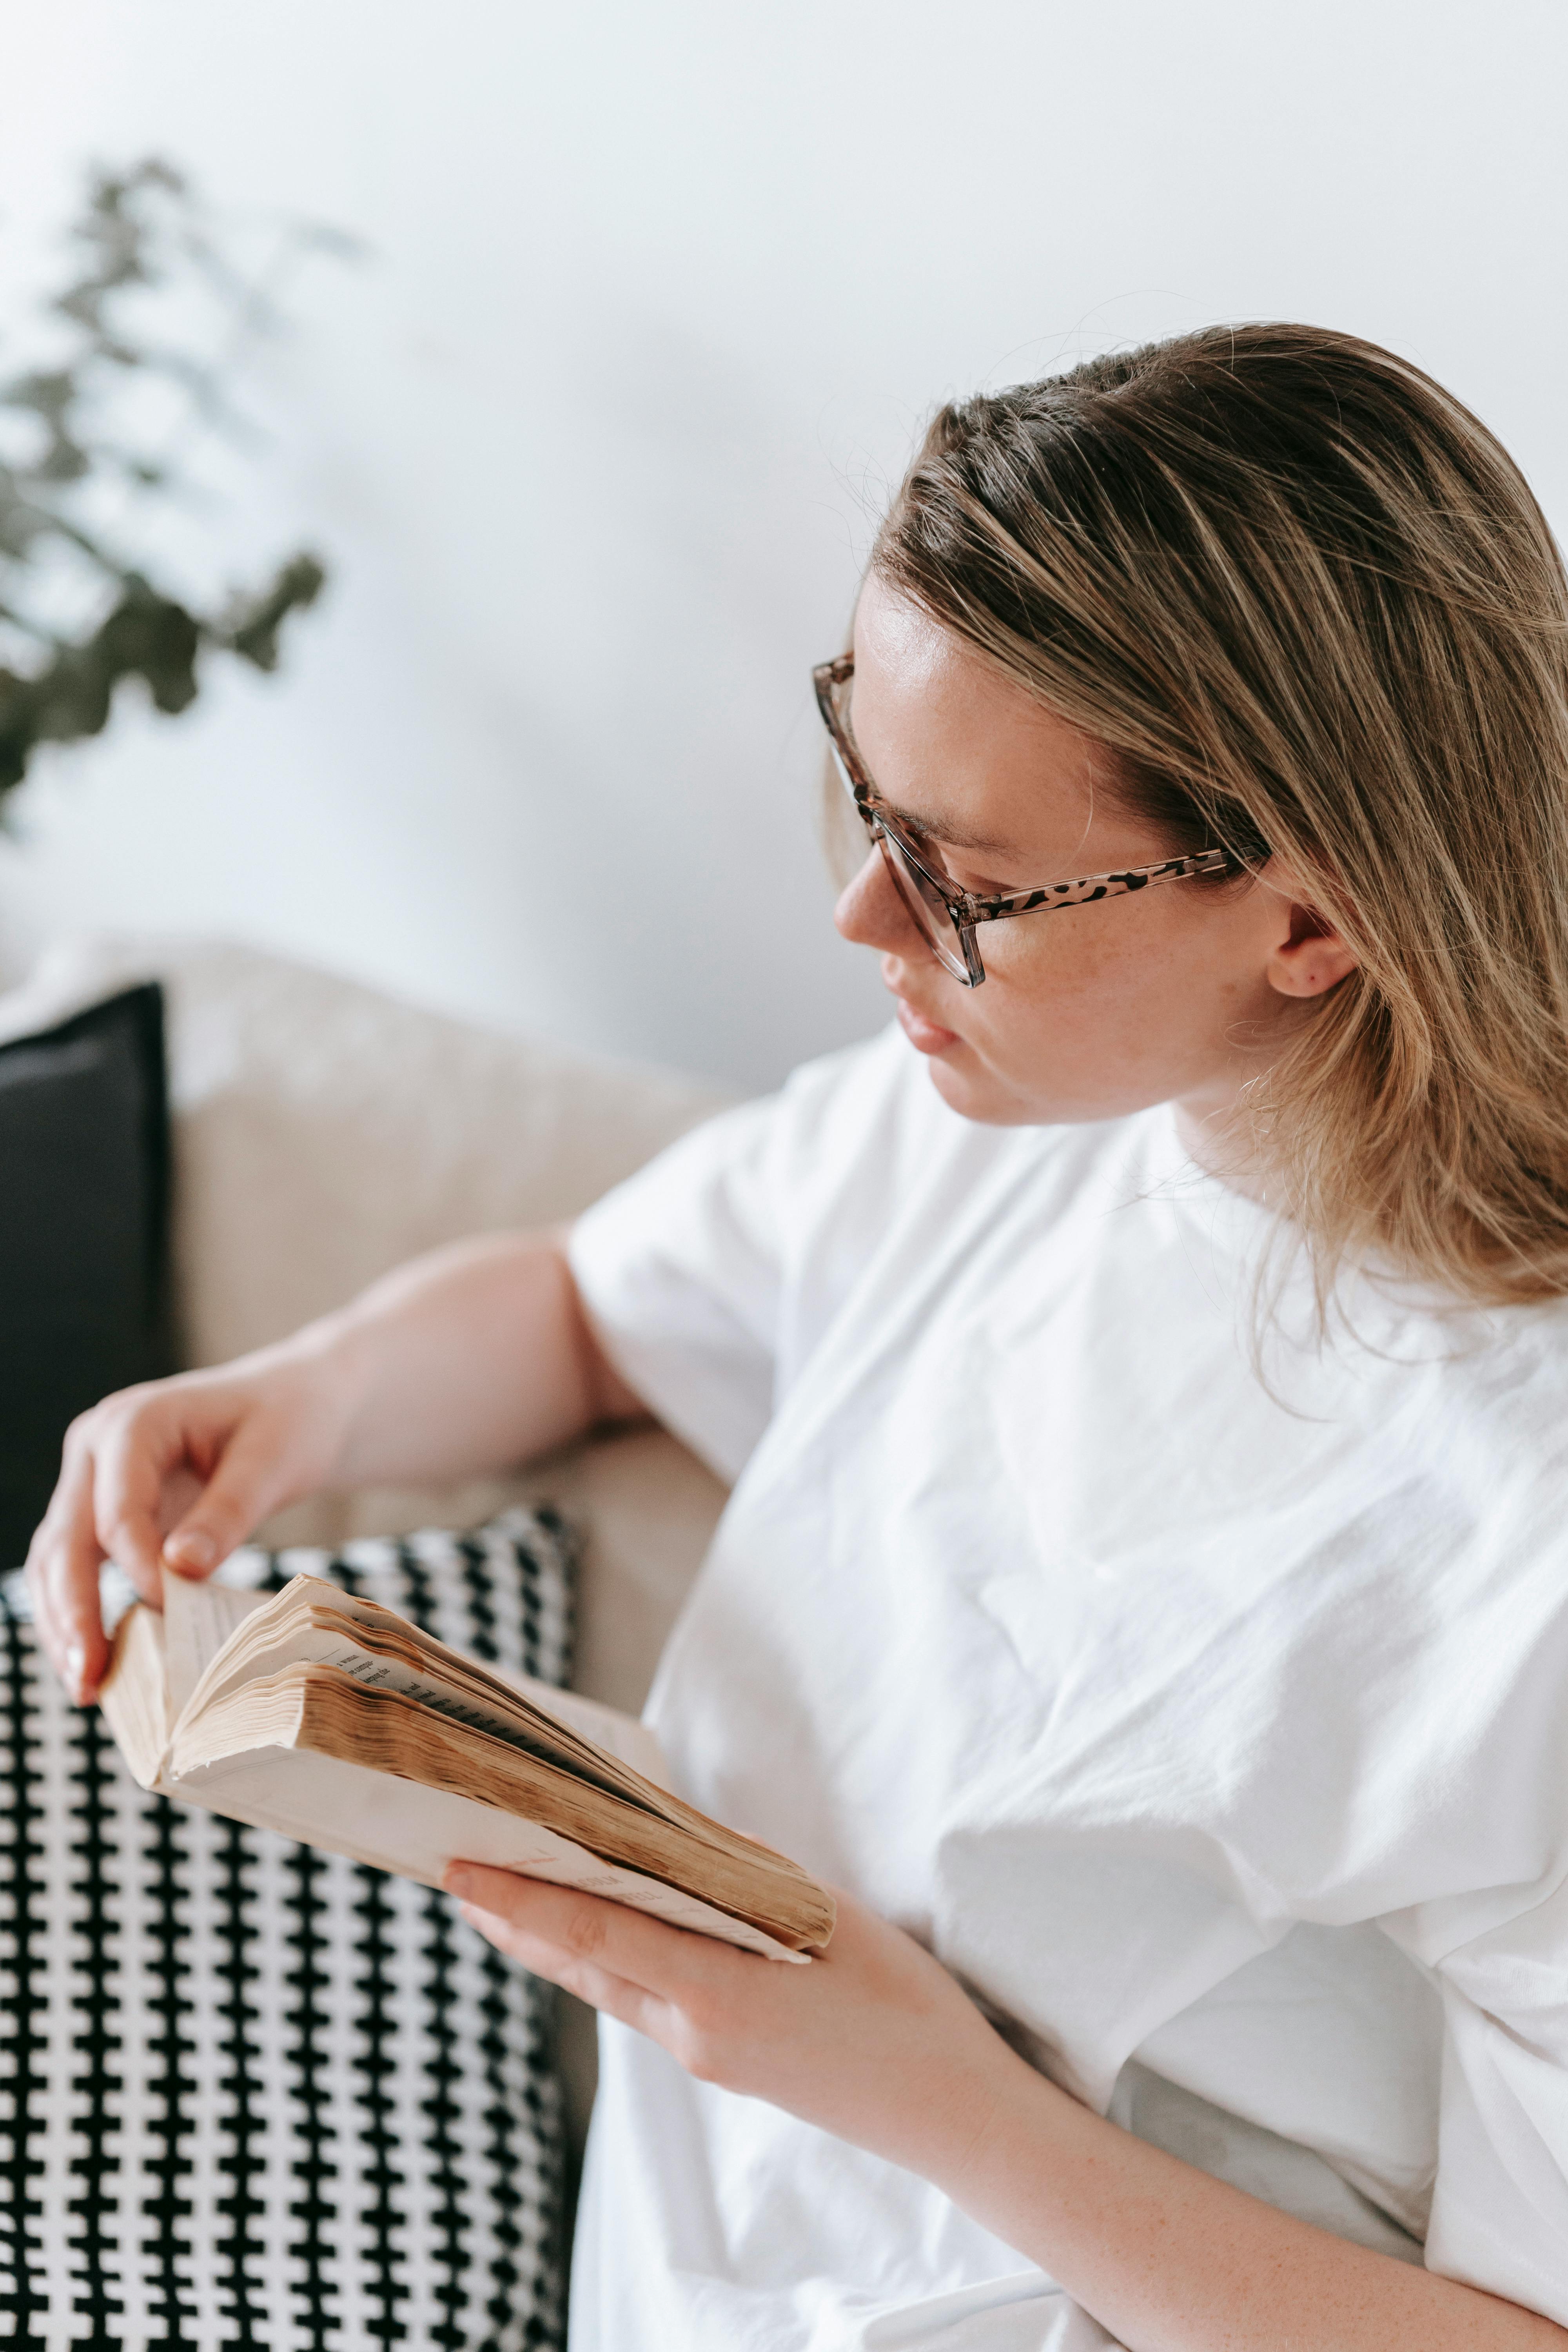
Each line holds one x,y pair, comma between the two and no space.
253,2094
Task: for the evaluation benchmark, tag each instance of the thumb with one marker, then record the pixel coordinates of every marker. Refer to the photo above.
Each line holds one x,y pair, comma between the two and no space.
243,1489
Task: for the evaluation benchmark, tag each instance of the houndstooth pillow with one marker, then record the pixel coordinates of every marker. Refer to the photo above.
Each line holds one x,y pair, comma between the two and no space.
253,2094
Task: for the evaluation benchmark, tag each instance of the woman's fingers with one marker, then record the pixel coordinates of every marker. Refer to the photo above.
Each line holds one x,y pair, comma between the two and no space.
564,1941
614,1996
133,1449
183,1475
247,1480
180,1470
572,1937
63,1561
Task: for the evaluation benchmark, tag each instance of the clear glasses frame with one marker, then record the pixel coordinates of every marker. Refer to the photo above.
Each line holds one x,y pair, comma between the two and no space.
933,899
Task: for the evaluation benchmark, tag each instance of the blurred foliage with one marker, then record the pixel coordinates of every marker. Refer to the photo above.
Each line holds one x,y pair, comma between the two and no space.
66,461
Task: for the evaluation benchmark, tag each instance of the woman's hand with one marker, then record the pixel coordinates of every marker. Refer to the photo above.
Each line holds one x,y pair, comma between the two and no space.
173,1472
874,2042
461,1363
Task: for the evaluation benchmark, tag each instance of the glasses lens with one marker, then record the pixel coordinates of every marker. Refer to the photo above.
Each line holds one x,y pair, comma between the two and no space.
926,904
918,889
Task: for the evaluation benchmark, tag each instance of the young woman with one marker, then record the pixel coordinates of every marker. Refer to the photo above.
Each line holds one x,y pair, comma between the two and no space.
1144,1373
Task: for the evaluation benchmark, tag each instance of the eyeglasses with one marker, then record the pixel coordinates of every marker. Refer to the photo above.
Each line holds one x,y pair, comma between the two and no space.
942,910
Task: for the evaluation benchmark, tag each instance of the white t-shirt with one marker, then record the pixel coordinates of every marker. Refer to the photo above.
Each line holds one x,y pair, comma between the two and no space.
1213,1730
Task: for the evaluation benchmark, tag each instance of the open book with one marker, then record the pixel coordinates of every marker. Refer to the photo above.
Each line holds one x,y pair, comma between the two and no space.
339,1723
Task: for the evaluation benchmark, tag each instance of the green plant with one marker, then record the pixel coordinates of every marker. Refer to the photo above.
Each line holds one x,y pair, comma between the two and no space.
78,613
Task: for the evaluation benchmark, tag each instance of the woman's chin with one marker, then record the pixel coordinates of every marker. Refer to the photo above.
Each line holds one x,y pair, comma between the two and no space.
967,1087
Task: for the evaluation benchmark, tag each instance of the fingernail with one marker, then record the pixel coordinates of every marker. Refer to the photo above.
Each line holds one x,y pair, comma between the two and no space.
459,1881
192,1550
75,1669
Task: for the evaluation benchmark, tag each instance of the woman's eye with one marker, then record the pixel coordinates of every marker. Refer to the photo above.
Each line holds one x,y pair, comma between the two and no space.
979,884
950,862
953,865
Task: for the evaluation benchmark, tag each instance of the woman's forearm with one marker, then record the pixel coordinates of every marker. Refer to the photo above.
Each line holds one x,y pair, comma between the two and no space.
1169,2260
470,1360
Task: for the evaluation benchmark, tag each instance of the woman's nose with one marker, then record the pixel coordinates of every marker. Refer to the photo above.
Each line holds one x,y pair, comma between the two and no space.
871,913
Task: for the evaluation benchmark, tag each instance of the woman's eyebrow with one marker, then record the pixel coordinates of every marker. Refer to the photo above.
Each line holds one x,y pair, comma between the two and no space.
956,836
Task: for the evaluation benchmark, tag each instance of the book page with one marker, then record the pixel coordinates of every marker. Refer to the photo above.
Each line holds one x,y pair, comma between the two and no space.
470,1691
589,1728
622,1736
320,1623
198,1620
133,1694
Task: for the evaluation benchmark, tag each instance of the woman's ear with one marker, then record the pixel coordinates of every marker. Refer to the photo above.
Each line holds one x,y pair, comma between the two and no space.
1312,957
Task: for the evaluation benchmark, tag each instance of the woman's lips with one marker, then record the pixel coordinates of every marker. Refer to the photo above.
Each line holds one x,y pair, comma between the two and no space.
925,1036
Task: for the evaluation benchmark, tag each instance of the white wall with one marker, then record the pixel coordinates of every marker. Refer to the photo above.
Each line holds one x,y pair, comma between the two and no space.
661,291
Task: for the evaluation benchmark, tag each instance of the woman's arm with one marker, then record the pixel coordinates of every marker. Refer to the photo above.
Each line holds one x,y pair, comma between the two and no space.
473,1359
470,1360
875,2042
1171,2260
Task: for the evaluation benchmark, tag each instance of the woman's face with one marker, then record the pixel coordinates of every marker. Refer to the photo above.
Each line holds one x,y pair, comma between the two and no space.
1173,993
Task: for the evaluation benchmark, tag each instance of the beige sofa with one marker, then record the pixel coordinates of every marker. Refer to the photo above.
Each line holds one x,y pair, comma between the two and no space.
324,1133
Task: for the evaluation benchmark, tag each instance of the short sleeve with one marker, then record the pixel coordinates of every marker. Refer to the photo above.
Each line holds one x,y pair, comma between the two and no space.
707,1274
679,1269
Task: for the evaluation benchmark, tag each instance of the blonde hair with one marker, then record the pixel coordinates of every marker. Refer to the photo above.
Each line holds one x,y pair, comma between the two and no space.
1311,603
